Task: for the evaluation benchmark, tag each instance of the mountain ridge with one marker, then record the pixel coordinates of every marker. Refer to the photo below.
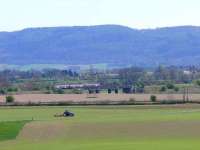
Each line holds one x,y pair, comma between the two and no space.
109,44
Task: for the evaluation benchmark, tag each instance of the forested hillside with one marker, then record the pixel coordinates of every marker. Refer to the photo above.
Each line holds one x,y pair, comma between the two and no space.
109,44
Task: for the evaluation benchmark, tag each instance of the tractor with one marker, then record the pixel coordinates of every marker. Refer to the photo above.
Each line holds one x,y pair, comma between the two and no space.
66,113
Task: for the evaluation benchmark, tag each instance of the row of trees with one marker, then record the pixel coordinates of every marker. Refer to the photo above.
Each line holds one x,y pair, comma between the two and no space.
158,76
12,75
33,80
141,77
15,80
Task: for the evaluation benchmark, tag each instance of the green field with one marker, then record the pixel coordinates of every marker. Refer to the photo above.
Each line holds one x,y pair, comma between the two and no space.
9,130
102,128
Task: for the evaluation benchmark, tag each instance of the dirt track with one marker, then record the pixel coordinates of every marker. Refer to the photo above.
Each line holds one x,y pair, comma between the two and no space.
98,97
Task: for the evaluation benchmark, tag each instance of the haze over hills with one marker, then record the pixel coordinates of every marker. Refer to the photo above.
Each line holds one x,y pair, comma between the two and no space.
108,44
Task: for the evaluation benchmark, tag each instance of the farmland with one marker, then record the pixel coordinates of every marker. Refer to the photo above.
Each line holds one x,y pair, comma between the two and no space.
174,127
9,130
35,98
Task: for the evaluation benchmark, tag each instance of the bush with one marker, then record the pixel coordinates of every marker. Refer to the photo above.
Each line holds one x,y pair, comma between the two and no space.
116,91
3,91
170,86
176,89
10,99
153,98
36,89
163,89
60,91
12,89
198,82
109,91
48,88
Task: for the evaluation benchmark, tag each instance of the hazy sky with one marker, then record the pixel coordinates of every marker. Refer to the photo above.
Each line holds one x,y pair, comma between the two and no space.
18,14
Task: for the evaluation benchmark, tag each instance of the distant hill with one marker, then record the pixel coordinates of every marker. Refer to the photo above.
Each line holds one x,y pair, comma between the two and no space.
106,44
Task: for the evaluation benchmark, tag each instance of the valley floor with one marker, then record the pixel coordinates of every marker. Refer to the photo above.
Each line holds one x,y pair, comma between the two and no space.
106,128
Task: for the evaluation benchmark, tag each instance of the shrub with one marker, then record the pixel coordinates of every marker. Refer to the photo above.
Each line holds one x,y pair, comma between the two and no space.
48,88
10,99
116,91
176,89
36,89
170,86
12,89
60,91
90,91
2,91
109,91
198,82
153,98
163,89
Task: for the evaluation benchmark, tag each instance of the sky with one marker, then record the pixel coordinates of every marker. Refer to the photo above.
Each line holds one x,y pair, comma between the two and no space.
20,14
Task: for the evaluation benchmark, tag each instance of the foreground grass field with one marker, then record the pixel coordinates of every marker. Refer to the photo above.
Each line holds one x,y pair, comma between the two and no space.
9,130
105,128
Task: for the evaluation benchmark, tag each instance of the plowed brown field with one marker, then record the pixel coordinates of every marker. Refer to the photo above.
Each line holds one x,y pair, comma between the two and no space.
98,97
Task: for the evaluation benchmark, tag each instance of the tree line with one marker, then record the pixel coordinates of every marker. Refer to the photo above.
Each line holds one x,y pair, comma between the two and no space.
14,80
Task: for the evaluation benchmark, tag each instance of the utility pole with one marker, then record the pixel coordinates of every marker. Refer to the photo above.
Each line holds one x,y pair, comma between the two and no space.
186,94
